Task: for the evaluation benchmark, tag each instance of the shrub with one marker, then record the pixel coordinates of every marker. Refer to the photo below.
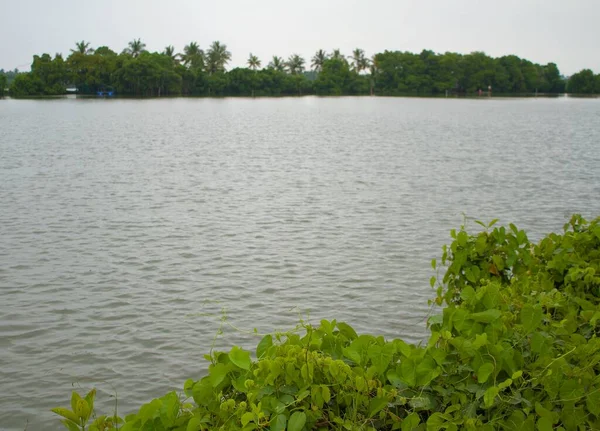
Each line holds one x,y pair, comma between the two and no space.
515,347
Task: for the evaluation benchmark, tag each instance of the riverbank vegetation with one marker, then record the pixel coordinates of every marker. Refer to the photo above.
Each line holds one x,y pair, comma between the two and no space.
514,345
202,72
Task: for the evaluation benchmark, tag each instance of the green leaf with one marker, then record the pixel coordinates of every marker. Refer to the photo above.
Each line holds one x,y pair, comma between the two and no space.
490,396
263,346
247,418
279,423
70,425
493,222
436,422
195,424
240,358
592,401
487,316
410,422
484,372
66,413
347,330
75,397
426,371
89,399
571,390
408,371
376,405
544,424
217,374
531,317
297,421
467,293
326,393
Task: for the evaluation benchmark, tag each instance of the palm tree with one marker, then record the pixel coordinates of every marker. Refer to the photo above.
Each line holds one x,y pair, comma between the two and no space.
193,56
318,60
135,47
373,69
253,62
82,47
295,64
170,52
217,57
277,63
337,55
359,61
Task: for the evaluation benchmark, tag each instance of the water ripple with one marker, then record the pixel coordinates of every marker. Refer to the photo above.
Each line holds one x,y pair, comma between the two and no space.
127,227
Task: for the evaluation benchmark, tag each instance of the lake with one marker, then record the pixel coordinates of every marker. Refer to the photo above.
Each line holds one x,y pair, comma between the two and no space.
128,228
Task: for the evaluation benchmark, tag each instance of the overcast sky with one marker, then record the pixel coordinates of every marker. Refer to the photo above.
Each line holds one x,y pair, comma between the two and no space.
565,32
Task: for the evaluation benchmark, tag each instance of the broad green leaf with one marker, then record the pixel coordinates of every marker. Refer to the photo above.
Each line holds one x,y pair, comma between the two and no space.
484,372
592,401
187,387
381,356
82,409
436,422
263,346
408,371
426,371
240,358
66,413
376,405
89,399
544,424
217,374
410,422
326,393
297,421
347,330
467,293
571,390
278,423
70,425
247,418
531,317
487,316
490,396
75,397
195,424
402,347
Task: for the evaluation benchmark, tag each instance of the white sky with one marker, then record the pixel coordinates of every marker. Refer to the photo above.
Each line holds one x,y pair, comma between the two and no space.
565,32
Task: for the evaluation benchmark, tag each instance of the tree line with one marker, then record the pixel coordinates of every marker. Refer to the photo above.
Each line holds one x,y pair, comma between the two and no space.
197,72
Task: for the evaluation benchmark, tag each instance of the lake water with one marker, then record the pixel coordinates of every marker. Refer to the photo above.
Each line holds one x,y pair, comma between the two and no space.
127,227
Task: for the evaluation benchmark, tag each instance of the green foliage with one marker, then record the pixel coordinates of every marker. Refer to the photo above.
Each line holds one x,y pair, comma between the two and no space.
430,73
137,72
584,82
515,347
48,77
3,84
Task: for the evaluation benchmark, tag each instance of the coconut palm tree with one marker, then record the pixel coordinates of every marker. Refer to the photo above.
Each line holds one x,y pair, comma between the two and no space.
193,56
337,55
170,52
253,62
135,47
318,60
359,61
373,68
82,47
277,63
295,64
217,57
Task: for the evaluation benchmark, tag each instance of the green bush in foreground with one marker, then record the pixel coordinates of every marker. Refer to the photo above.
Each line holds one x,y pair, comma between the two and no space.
516,347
